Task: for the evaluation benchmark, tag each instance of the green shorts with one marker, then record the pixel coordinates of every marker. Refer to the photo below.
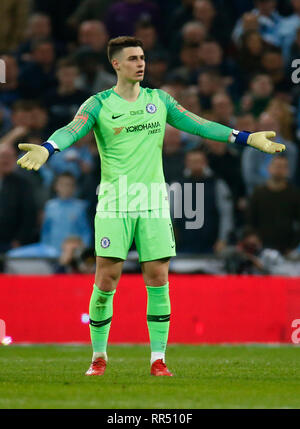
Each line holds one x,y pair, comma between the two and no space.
152,231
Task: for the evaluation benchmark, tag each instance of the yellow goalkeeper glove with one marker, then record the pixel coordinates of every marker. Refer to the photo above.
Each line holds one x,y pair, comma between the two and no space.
258,140
261,142
35,157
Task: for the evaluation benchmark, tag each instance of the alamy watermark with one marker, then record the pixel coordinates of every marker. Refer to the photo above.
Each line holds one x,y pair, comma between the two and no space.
295,337
121,199
2,71
296,73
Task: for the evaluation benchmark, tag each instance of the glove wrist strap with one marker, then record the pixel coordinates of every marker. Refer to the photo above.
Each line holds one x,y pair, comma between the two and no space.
50,147
239,137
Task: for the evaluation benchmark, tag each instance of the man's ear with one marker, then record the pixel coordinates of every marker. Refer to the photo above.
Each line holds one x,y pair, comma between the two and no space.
115,64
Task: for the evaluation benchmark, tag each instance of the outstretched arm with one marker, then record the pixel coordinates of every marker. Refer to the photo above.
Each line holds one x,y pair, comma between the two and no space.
64,137
184,120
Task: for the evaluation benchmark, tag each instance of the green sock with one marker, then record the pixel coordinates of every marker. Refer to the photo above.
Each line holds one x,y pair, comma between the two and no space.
158,317
100,311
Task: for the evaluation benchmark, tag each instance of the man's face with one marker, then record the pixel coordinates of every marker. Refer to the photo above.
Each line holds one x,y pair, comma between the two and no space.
39,27
251,244
65,187
210,53
130,64
44,54
92,34
279,168
262,86
196,162
222,105
67,76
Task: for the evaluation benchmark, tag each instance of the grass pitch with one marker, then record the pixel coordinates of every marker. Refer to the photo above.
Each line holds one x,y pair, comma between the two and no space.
205,377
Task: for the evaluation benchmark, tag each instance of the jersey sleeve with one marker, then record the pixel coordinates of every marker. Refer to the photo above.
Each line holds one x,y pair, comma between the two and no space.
83,122
180,118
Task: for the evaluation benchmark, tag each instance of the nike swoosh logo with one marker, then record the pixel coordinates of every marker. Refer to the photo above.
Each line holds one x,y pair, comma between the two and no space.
118,116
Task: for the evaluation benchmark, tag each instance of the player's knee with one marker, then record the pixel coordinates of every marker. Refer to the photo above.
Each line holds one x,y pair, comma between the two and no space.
107,281
156,279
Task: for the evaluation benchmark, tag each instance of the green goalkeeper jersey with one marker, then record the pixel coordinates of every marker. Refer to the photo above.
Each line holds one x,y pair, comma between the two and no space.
129,137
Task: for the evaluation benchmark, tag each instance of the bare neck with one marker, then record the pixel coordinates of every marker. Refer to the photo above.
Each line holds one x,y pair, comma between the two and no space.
127,90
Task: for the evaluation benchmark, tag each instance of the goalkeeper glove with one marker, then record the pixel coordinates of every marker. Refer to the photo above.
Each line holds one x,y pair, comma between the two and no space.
36,155
258,140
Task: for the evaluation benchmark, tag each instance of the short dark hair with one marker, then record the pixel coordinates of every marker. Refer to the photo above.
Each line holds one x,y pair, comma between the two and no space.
119,43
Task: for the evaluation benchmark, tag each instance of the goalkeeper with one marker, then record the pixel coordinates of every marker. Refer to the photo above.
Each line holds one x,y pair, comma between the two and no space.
129,123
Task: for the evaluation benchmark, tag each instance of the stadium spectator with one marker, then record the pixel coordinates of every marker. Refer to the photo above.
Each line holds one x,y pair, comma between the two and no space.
255,166
250,53
93,34
59,11
263,18
147,33
40,125
213,235
38,75
211,58
224,161
193,33
223,109
14,15
189,68
180,16
208,84
65,215
156,70
273,65
76,160
214,21
21,119
11,89
64,101
71,248
38,27
249,257
92,37
283,114
18,213
258,97
288,30
122,16
173,155
93,77
274,209
88,10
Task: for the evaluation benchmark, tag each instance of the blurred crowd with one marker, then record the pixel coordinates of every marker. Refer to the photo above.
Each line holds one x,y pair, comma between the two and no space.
230,61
